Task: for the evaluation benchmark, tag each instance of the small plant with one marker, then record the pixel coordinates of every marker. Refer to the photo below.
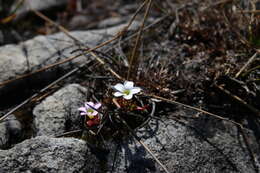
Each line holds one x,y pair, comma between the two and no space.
126,103
89,110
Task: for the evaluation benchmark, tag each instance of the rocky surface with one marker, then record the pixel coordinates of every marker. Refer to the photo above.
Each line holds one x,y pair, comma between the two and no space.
182,148
4,135
112,22
196,145
44,154
44,50
10,131
37,5
41,51
58,113
202,145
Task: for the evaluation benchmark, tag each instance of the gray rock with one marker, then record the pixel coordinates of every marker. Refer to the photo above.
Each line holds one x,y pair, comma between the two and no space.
10,131
79,21
201,145
15,129
37,5
44,50
59,112
181,149
112,22
4,135
44,154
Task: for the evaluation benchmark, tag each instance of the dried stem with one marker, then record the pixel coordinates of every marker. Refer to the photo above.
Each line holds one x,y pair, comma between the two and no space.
132,132
134,57
194,108
247,64
239,100
251,153
41,91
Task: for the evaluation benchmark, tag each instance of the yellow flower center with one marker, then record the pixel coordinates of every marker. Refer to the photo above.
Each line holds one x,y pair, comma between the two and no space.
127,92
90,110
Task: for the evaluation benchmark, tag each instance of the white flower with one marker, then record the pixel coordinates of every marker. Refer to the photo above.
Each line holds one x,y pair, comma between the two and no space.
127,90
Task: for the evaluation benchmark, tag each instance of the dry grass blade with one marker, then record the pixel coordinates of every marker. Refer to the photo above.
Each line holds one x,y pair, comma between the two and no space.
65,31
139,140
252,154
120,33
144,145
194,108
234,28
239,100
67,133
58,63
41,91
134,57
247,64
250,11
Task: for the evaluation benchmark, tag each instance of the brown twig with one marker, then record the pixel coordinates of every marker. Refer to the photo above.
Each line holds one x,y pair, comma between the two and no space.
144,145
251,153
67,133
56,64
134,56
65,31
194,108
41,91
250,11
233,28
246,65
138,139
239,100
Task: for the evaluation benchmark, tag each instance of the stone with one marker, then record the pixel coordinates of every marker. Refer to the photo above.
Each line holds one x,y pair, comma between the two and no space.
112,22
10,132
58,113
203,144
4,135
182,148
15,129
79,21
37,5
52,155
44,50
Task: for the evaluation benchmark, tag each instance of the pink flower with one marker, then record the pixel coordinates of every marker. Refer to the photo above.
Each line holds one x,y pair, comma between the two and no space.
90,109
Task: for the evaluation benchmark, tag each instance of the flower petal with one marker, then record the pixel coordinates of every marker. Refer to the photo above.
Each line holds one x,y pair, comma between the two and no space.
94,113
128,84
119,87
128,97
83,113
118,94
97,105
89,105
135,90
83,109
